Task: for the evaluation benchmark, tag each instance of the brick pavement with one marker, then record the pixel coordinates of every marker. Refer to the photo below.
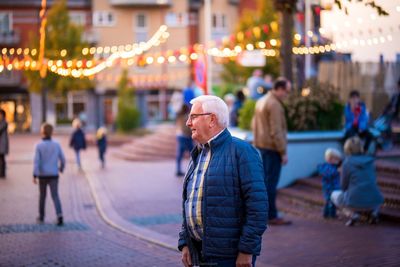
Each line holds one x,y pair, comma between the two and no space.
145,198
85,240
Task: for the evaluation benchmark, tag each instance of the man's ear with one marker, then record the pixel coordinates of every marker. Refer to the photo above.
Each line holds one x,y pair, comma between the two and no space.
213,120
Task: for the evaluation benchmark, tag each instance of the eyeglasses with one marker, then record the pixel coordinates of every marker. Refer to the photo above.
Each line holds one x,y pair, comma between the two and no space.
194,116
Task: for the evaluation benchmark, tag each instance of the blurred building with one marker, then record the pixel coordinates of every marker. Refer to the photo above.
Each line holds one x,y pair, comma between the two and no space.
158,72
115,24
19,19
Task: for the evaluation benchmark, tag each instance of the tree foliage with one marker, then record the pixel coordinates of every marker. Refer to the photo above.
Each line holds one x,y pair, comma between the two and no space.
128,117
256,26
61,34
370,3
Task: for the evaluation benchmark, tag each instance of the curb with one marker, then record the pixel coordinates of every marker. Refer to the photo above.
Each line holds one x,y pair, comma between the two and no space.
112,218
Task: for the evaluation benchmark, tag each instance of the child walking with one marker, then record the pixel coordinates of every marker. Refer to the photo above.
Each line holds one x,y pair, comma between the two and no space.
78,141
330,179
49,161
101,140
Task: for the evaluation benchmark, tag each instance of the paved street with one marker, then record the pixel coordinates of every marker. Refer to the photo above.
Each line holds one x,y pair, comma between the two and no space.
129,215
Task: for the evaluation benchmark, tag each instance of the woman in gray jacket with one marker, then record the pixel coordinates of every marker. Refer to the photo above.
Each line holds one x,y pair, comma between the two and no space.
360,191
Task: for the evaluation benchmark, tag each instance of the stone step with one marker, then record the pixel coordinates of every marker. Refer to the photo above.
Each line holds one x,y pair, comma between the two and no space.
386,183
387,167
311,197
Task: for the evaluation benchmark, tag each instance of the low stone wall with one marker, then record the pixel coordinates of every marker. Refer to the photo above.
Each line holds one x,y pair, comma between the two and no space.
305,151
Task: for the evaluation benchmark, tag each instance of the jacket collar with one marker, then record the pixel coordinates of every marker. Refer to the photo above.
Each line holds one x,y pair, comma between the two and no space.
214,143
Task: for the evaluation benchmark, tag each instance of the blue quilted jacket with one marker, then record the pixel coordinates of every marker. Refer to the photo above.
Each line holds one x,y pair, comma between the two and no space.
234,201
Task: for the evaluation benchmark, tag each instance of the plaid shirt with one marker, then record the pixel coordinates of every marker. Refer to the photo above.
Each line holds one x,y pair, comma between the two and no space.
194,200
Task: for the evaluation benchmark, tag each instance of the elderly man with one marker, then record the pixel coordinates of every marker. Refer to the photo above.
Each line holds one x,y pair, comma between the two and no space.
270,130
224,195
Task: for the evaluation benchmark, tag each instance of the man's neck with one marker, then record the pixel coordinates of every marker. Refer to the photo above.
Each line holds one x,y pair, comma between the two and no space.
215,133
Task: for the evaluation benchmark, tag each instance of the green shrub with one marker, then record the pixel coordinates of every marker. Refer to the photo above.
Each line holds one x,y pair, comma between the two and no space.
321,109
128,118
246,114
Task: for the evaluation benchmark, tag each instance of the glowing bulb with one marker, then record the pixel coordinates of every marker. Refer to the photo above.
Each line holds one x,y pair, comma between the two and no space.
63,53
194,56
171,59
297,37
149,60
249,47
85,51
19,51
273,42
261,45
160,60
26,51
182,57
12,50
238,49
310,34
99,50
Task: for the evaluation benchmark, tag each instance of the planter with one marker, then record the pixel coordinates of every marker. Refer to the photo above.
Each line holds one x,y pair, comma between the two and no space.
305,151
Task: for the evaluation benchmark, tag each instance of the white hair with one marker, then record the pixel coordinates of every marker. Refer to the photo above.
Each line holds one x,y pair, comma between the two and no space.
215,105
332,152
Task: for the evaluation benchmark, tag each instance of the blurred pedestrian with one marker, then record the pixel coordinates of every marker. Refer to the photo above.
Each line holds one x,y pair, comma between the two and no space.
330,179
224,196
77,141
356,119
49,161
237,105
189,93
359,191
270,130
4,144
183,138
257,85
101,142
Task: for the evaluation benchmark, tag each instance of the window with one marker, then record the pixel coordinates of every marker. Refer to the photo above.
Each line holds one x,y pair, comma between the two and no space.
103,18
219,21
219,26
5,22
141,28
176,19
78,18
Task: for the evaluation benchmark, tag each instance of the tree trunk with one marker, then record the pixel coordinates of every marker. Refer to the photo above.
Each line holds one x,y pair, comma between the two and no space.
44,104
286,44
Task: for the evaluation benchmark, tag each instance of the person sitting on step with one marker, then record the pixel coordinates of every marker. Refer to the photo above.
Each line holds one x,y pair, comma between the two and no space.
360,191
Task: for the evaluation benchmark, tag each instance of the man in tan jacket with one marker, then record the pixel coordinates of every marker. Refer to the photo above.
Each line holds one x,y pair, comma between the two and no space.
270,130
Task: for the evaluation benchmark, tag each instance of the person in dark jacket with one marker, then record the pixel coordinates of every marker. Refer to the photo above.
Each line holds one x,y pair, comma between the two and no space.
224,196
49,161
3,143
78,141
356,119
358,182
101,142
183,138
330,179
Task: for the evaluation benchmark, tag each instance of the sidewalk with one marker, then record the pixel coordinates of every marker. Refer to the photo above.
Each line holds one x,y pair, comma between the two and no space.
142,201
85,240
